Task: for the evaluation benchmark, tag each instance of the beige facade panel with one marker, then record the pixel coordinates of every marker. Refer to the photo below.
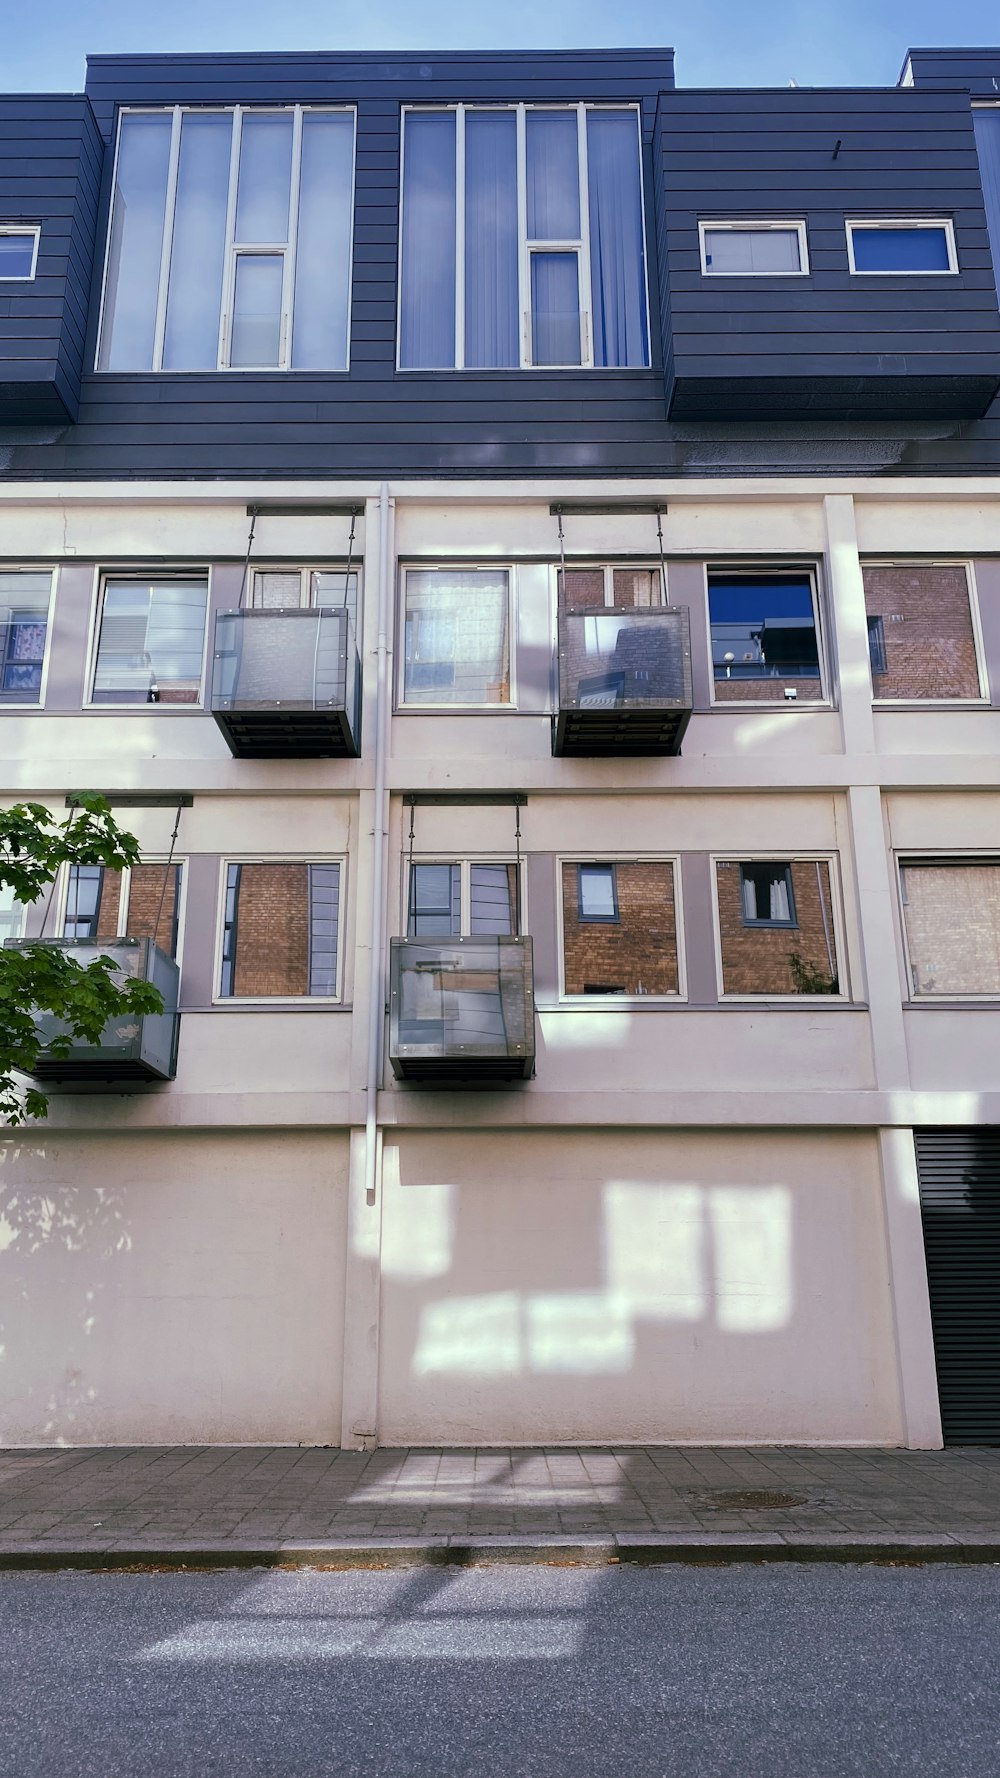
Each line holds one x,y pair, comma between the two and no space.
166,1289
621,1288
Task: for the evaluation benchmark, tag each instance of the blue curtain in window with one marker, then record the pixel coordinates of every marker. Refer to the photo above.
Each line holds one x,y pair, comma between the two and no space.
616,239
987,124
427,322
491,240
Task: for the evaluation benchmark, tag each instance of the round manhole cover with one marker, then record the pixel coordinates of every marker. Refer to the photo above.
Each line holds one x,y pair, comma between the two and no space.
751,1500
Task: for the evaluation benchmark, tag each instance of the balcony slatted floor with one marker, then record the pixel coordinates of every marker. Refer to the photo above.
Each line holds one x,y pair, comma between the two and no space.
287,734
619,733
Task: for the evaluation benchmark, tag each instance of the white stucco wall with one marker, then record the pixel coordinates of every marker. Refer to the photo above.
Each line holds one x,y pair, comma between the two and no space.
171,1289
635,1287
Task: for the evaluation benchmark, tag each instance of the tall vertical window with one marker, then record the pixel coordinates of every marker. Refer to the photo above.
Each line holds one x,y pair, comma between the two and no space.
280,934
24,620
522,239
230,241
151,642
11,913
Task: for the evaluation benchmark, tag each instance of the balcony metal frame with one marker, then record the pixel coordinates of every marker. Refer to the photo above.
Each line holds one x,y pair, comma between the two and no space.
249,695
434,1045
611,712
137,1051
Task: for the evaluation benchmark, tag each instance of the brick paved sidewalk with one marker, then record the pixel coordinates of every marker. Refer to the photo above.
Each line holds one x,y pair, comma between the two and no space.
268,1503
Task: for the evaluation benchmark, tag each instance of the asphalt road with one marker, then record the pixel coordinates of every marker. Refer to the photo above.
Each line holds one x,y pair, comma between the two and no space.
813,1672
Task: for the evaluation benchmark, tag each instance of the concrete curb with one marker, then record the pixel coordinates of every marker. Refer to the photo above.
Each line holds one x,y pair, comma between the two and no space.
437,1552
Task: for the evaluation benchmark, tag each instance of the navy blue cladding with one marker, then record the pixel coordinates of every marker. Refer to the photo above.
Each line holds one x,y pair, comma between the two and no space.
374,420
975,71
51,156
830,343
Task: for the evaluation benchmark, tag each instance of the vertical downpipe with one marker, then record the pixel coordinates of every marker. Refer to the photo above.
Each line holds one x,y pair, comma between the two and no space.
380,842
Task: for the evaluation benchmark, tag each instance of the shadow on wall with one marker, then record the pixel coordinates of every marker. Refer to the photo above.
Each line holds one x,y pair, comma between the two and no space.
732,1287
80,1234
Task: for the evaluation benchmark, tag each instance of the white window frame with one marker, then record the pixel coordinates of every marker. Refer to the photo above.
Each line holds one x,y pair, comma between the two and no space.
781,570
525,246
756,225
944,223
940,703
427,708
933,855
465,862
146,576
39,702
178,859
233,248
17,228
275,1002
621,1002
781,855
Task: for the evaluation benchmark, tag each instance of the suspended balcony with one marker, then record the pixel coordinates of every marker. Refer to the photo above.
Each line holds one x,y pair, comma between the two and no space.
624,681
461,1009
286,685
133,1048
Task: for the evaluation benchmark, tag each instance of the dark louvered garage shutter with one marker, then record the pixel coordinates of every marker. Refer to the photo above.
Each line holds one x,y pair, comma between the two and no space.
959,1174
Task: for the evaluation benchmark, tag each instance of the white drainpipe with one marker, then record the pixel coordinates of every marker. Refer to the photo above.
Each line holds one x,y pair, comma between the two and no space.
380,843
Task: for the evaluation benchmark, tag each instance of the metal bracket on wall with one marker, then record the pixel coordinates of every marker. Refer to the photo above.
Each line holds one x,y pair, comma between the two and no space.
465,799
305,509
128,799
606,508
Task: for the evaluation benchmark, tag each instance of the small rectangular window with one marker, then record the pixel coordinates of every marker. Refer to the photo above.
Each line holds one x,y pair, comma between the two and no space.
24,620
765,645
767,895
776,926
280,931
598,898
620,928
151,642
18,253
905,246
923,615
457,636
753,249
876,649
143,902
951,917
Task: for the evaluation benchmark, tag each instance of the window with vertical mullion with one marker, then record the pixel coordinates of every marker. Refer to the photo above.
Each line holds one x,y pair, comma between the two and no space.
522,238
229,245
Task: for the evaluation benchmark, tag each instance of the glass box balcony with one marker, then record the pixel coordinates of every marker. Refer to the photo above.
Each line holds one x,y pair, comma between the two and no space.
624,681
285,684
461,1009
135,1049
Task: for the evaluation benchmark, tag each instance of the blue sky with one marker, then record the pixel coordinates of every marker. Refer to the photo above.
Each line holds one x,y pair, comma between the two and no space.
718,42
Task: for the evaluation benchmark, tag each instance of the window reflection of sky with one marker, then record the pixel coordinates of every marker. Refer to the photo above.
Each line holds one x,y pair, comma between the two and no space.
741,611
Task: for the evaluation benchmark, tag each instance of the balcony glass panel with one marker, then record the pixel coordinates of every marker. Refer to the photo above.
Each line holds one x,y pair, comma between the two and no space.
624,680
462,1007
143,1048
287,680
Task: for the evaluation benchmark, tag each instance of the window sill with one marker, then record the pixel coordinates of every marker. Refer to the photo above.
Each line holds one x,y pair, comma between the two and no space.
932,704
790,705
461,710
953,1003
310,1003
